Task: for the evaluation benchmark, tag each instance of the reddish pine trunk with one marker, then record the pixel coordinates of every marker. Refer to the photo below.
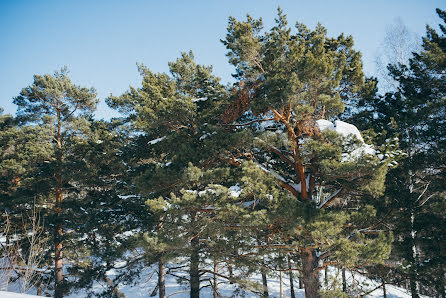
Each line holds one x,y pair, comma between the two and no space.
215,289
161,279
309,276
58,263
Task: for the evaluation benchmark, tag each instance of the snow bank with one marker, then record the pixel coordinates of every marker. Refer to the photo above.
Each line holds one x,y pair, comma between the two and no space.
346,129
15,295
343,128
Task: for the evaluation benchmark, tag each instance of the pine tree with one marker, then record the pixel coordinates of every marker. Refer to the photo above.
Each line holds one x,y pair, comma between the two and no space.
174,118
24,158
288,84
54,100
415,189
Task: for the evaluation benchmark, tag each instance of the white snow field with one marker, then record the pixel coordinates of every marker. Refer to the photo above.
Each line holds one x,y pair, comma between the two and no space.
145,286
147,283
15,295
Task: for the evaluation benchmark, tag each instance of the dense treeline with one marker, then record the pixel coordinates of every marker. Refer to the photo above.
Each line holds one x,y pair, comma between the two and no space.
212,184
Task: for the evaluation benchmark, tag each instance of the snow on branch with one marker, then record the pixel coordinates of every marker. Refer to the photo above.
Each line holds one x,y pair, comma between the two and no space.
346,129
153,142
329,199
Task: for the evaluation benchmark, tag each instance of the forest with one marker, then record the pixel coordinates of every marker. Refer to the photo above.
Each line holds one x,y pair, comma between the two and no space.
300,170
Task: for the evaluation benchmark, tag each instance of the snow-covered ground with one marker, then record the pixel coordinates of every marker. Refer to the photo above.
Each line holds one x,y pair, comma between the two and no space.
145,286
15,295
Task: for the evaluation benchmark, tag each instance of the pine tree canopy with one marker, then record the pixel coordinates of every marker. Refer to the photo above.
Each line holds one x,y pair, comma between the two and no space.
296,166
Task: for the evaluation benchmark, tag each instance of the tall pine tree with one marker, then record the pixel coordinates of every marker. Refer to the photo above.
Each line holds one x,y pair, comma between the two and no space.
288,86
54,100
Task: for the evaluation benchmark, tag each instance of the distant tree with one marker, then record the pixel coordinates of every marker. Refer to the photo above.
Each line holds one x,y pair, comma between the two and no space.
396,48
415,195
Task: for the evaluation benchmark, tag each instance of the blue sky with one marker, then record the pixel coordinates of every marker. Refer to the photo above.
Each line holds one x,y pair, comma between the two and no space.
101,40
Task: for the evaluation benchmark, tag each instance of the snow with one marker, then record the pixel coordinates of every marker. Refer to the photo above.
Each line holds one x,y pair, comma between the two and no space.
324,124
252,203
298,187
272,173
346,129
329,198
199,99
235,191
207,135
343,128
153,142
148,280
15,295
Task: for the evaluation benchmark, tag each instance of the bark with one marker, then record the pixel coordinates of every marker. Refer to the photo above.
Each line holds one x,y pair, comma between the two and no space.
384,289
310,277
116,292
326,276
194,269
215,287
161,279
265,283
281,285
293,295
344,281
58,263
39,288
58,258
414,260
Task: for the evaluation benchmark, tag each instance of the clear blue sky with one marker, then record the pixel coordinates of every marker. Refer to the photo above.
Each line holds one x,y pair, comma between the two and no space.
101,40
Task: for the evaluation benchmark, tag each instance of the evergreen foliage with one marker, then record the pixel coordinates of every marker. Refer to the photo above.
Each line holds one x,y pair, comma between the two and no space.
214,184
415,189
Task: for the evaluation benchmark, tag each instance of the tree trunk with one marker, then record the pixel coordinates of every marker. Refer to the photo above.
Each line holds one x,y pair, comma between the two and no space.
281,285
265,284
58,258
344,281
39,288
414,260
326,276
194,270
310,278
58,262
161,279
291,278
215,287
384,288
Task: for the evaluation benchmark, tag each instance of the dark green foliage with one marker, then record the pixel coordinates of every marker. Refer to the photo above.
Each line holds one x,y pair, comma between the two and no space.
209,181
286,83
414,198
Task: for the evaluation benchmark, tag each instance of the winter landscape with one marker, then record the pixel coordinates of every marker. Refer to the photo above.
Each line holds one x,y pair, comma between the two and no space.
296,172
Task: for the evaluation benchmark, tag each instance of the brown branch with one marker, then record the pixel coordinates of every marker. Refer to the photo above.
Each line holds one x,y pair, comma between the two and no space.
280,154
324,265
290,189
